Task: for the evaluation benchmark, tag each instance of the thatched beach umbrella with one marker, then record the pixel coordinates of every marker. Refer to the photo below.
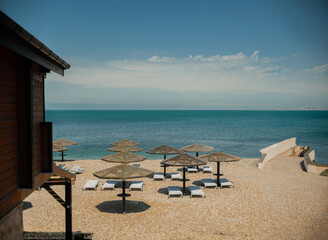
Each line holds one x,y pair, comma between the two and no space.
64,142
56,148
164,150
61,143
123,148
123,172
124,157
197,148
219,157
183,160
124,142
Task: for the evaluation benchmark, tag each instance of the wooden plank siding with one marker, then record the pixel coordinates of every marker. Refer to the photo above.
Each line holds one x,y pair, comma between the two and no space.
8,124
38,115
25,138
14,73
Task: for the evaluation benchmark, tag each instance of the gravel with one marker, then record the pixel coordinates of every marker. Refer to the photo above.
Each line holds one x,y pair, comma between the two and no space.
264,204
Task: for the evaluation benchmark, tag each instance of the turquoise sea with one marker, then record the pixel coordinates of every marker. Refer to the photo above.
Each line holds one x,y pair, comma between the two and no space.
241,133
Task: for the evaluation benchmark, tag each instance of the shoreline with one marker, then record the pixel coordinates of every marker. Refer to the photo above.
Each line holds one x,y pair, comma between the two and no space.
264,204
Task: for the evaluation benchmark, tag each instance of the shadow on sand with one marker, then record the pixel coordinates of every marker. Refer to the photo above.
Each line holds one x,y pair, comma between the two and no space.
65,160
27,205
116,206
198,183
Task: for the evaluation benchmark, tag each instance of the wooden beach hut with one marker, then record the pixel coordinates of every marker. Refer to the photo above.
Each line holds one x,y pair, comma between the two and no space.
25,137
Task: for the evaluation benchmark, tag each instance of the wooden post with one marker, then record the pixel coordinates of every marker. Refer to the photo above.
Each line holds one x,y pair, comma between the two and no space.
184,180
218,174
123,202
164,167
68,210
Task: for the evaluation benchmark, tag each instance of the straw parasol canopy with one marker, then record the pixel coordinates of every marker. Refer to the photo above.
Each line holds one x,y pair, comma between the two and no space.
64,142
61,143
164,150
219,157
124,142
124,157
196,148
184,160
56,148
123,172
123,148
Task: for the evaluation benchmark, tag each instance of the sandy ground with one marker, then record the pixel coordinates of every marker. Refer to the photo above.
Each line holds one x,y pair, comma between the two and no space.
279,202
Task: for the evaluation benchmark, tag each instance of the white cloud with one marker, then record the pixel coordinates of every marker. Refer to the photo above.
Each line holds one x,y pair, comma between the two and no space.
255,55
322,68
217,58
249,68
228,73
160,59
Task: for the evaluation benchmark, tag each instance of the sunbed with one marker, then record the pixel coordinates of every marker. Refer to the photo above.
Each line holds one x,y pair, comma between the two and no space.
158,176
109,185
76,169
207,169
136,185
176,176
196,191
78,166
174,191
209,183
192,169
91,184
63,167
225,183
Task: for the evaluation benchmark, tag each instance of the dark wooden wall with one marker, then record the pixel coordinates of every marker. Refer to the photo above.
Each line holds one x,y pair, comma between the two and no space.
9,75
21,90
38,115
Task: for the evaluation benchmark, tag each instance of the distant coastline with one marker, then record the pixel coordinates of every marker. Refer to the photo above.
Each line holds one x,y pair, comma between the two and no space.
187,109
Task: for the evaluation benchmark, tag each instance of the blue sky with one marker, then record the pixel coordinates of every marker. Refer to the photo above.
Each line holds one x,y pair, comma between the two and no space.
182,54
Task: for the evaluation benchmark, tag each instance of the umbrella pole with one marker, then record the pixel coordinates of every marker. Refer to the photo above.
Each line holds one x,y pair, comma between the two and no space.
62,155
164,167
123,202
184,180
218,174
197,165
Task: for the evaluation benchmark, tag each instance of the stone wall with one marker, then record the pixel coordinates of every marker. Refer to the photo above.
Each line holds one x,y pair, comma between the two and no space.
310,165
11,225
274,150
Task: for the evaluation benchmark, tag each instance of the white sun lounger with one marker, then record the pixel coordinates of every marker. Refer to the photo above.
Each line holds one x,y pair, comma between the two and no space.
192,169
91,184
63,167
78,166
76,169
136,185
109,185
158,176
174,191
209,183
225,183
176,176
196,191
207,169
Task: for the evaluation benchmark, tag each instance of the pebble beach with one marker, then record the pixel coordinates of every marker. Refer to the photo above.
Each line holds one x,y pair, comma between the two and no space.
273,203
